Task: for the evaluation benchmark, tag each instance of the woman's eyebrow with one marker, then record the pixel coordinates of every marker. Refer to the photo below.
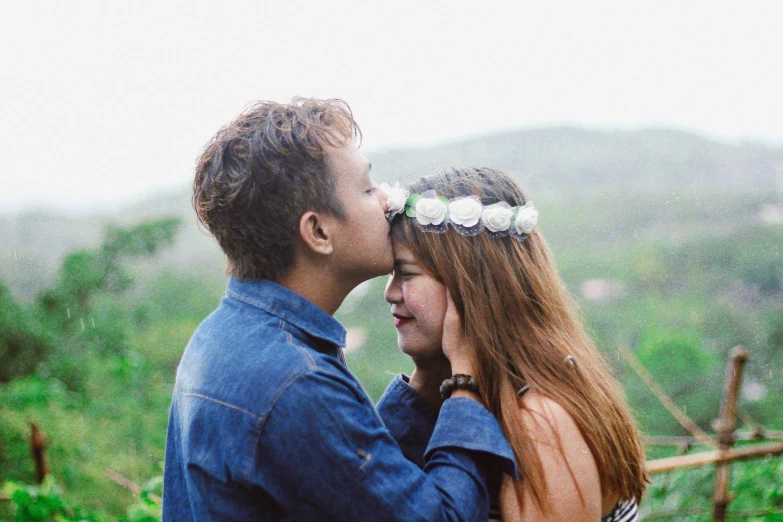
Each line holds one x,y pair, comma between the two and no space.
404,261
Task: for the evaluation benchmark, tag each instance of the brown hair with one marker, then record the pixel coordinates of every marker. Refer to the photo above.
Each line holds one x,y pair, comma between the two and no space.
519,317
261,172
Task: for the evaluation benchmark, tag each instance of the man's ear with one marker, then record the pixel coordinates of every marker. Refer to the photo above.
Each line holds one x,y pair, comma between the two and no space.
314,229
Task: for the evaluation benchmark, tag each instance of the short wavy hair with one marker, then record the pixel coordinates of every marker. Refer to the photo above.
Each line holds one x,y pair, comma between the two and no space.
261,172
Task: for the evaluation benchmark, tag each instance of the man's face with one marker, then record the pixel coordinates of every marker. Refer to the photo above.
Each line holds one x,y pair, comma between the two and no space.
362,245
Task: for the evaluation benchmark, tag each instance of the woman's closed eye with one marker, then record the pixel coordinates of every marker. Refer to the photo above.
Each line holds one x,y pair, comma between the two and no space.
408,271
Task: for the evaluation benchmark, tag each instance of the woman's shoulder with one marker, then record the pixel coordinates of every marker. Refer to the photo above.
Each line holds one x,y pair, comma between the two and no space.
550,424
542,413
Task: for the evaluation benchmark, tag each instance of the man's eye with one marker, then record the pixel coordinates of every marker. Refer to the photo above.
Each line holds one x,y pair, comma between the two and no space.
372,190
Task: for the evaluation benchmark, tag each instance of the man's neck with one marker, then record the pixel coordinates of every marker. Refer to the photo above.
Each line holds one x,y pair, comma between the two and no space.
319,287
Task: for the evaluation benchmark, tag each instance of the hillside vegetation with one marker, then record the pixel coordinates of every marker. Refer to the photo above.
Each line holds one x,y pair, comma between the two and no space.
671,244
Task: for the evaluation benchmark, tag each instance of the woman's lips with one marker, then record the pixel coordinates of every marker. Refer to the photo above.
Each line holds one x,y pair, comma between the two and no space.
401,320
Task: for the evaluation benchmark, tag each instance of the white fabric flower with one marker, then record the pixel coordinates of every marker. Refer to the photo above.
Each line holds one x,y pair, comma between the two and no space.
497,218
465,212
526,218
395,203
430,211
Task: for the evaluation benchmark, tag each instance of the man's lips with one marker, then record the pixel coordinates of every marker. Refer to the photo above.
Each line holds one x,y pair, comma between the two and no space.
401,320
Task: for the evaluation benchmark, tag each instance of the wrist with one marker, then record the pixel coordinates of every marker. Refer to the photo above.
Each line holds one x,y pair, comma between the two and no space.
466,394
466,369
462,364
459,382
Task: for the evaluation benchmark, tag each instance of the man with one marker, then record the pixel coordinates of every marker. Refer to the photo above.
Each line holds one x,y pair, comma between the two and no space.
267,422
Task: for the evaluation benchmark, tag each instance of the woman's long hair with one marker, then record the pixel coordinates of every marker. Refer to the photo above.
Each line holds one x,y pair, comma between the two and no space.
519,318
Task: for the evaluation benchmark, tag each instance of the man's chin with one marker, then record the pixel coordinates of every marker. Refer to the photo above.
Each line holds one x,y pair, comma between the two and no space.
386,266
379,270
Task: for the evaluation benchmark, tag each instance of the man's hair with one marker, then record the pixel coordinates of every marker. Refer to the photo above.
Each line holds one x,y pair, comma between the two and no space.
261,172
520,322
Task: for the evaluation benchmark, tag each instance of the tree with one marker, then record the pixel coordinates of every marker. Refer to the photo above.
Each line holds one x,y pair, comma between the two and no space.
62,312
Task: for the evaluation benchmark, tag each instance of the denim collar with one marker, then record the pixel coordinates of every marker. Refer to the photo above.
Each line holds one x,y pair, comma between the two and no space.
288,306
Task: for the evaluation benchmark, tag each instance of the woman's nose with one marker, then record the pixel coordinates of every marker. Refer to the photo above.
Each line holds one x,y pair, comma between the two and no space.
392,292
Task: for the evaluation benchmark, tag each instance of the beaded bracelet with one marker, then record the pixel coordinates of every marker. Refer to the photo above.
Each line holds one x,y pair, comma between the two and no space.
458,381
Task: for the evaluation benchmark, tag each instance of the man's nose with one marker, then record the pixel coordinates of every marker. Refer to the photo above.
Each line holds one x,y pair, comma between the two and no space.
383,198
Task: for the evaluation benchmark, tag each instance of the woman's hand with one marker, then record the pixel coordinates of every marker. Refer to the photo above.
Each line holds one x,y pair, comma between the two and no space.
455,345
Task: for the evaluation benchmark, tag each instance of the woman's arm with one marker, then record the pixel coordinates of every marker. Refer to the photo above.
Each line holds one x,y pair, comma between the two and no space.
566,477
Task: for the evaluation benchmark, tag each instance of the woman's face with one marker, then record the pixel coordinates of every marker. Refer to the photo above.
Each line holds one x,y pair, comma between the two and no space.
418,304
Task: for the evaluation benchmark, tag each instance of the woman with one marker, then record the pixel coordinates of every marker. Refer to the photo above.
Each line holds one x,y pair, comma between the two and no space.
469,235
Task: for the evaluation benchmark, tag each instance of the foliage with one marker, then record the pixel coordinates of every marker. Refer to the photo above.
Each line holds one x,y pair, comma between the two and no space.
85,274
46,502
756,487
57,328
93,369
22,342
689,379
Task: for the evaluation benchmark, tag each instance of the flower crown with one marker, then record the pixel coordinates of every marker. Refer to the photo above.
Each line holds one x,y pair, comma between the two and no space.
465,214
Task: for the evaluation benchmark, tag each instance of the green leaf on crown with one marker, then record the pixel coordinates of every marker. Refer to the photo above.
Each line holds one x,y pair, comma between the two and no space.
410,205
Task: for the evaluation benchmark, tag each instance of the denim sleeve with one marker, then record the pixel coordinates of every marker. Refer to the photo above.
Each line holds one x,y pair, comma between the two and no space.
325,454
408,417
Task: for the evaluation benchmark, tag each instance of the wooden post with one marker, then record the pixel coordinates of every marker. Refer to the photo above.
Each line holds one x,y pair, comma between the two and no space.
37,443
725,427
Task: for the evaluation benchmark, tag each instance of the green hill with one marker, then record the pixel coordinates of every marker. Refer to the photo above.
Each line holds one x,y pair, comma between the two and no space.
565,168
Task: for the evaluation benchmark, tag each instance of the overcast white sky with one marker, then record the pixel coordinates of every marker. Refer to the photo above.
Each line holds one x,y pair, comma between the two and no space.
103,102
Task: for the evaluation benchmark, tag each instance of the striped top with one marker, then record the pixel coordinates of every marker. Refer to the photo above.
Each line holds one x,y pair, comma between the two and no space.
624,511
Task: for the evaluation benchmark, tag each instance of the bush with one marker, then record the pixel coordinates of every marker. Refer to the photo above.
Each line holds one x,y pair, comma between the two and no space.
22,344
47,502
688,373
756,487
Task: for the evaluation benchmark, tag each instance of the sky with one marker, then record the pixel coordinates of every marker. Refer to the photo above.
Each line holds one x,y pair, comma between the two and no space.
103,103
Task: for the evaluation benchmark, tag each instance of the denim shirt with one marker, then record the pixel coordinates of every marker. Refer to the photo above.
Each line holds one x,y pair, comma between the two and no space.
408,417
267,423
